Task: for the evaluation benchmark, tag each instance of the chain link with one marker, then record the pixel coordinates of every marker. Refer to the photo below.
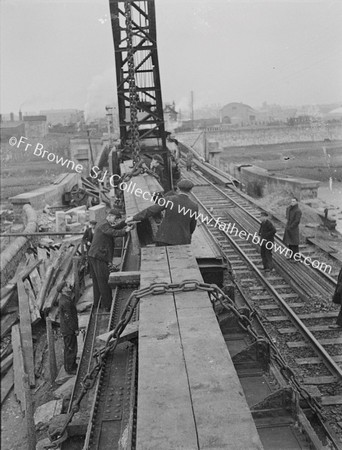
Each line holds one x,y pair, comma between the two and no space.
217,296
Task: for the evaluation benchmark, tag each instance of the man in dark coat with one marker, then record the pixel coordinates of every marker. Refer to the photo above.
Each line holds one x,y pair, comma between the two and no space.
101,254
68,326
188,161
88,235
337,298
291,235
179,221
266,232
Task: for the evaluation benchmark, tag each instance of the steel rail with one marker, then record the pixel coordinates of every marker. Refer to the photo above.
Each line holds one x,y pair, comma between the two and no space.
327,359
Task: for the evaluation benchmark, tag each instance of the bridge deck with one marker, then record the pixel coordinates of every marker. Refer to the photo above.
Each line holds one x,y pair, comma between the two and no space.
189,395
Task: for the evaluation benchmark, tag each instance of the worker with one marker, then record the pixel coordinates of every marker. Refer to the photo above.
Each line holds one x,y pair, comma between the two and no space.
156,167
101,255
176,173
68,326
337,299
88,235
179,221
267,232
291,235
188,161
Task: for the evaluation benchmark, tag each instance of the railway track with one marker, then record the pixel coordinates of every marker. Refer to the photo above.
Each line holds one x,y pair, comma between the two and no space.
288,312
232,197
293,302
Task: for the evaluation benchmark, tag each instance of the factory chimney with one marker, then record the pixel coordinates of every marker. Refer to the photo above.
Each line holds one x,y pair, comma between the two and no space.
12,117
20,115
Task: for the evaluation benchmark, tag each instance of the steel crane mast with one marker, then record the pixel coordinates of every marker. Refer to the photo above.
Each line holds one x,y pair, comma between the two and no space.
140,104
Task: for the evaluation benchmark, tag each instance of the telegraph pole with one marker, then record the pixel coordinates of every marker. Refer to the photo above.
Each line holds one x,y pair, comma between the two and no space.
192,108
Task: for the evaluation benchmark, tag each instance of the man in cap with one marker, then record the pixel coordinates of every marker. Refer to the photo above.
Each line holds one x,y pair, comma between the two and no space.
267,232
68,326
291,234
156,167
88,235
101,255
179,221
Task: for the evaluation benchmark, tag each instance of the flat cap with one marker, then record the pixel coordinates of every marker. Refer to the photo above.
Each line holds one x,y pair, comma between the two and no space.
93,222
185,185
158,158
115,212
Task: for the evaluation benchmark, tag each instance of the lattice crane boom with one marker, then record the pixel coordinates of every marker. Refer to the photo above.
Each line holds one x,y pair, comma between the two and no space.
137,72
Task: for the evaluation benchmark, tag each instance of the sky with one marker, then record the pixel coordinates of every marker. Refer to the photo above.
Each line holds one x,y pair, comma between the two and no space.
58,54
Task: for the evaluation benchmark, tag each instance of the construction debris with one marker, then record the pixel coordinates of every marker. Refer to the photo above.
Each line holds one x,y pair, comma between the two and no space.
46,412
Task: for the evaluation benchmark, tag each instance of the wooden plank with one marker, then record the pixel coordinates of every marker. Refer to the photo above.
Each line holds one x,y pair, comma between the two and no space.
270,307
331,400
123,278
34,310
26,332
6,350
130,332
165,419
51,350
297,344
36,282
30,426
32,265
7,383
314,360
6,364
291,330
7,322
320,380
10,298
45,287
18,366
326,315
220,409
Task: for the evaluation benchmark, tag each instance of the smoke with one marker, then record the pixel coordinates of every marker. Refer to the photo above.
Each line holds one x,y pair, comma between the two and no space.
100,93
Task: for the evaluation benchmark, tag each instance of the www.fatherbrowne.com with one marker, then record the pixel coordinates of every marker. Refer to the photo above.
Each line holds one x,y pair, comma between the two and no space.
230,228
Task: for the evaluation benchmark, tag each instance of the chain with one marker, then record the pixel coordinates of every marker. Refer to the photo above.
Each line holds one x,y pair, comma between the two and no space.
133,95
216,295
137,170
285,370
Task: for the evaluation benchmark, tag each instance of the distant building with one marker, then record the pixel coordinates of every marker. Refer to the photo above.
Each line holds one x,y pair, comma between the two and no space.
35,126
63,116
275,114
238,114
11,128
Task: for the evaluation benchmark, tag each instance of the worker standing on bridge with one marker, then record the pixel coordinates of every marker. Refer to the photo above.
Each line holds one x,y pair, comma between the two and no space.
188,161
101,255
337,299
69,326
88,235
267,232
291,235
156,167
179,221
